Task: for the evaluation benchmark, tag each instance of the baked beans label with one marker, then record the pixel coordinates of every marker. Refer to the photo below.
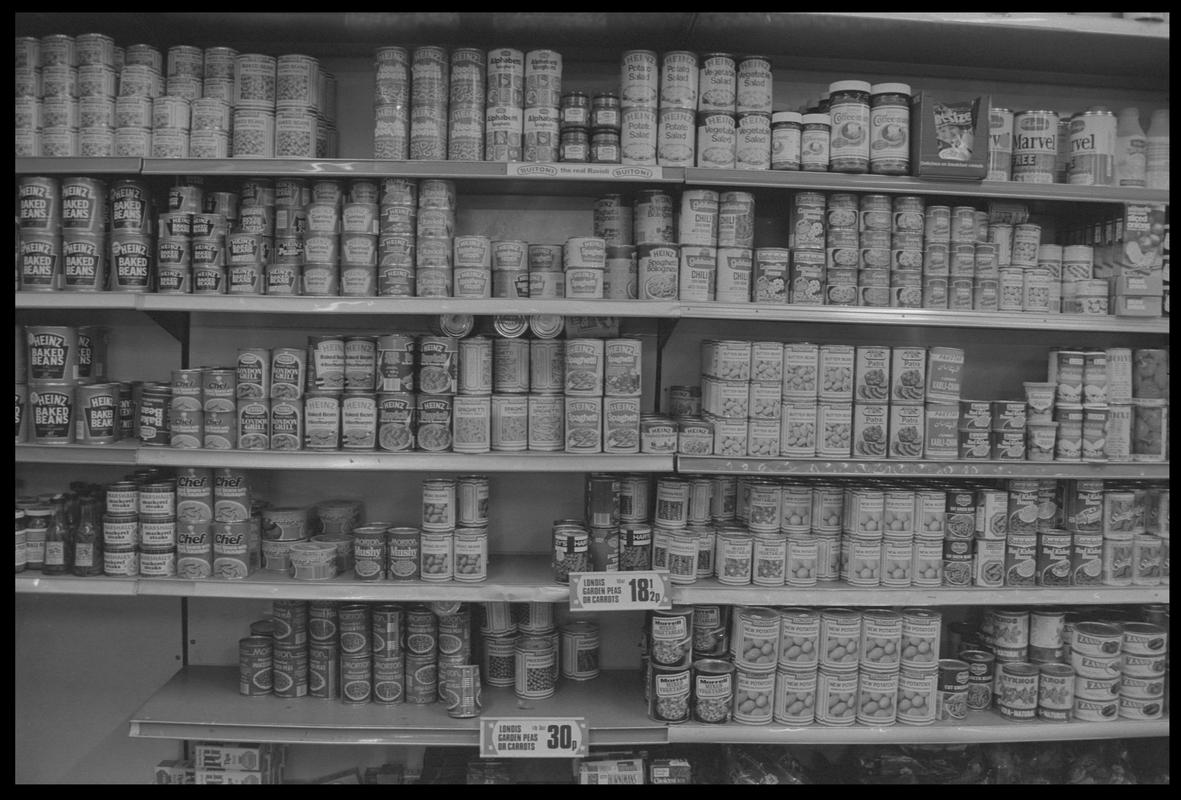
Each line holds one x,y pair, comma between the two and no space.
533,737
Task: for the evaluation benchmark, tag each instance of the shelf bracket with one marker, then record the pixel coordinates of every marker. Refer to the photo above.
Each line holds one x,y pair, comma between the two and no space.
176,324
664,329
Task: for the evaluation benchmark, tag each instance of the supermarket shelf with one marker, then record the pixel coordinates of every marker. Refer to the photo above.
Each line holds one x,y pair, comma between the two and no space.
839,593
979,726
404,462
121,453
129,301
530,461
860,315
511,578
258,304
649,309
29,582
67,165
204,703
901,184
520,578
925,469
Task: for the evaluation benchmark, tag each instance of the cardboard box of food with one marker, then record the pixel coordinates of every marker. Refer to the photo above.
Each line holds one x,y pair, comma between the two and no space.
670,770
1138,306
949,136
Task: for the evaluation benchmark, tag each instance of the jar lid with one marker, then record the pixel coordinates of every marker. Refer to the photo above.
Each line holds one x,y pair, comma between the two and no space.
848,86
817,119
786,116
890,88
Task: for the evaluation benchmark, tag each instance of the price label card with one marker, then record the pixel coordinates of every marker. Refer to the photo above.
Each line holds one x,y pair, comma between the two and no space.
520,169
533,737
625,591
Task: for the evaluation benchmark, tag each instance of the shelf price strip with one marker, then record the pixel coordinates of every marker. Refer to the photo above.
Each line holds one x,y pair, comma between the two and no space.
619,591
583,171
533,737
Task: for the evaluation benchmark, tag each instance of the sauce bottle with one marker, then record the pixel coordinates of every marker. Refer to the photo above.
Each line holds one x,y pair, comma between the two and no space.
57,539
1131,149
1158,150
87,557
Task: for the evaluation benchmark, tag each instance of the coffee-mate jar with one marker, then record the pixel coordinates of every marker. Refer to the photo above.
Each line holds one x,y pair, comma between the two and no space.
889,129
849,113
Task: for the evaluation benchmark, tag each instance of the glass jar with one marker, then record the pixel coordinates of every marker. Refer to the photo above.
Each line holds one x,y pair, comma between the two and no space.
889,128
786,131
848,110
814,142
604,112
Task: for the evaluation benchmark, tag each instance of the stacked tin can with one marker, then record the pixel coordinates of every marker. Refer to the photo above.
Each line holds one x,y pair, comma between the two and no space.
322,238
753,93
697,239
435,233
250,241
717,110
429,90
174,246
465,110
677,124
396,243
59,87
734,275
1098,409
360,225
741,396
69,398
504,110
584,265
97,87
820,273
254,106
63,234
937,257
613,223
540,130
297,105
171,122
906,256
639,99
391,103
27,96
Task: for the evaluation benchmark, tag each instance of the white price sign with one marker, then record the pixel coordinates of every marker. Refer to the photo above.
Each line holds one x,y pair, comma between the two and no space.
519,169
533,737
628,591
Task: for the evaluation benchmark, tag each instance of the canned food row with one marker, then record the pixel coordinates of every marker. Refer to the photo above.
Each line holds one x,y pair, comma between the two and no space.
837,373
987,510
